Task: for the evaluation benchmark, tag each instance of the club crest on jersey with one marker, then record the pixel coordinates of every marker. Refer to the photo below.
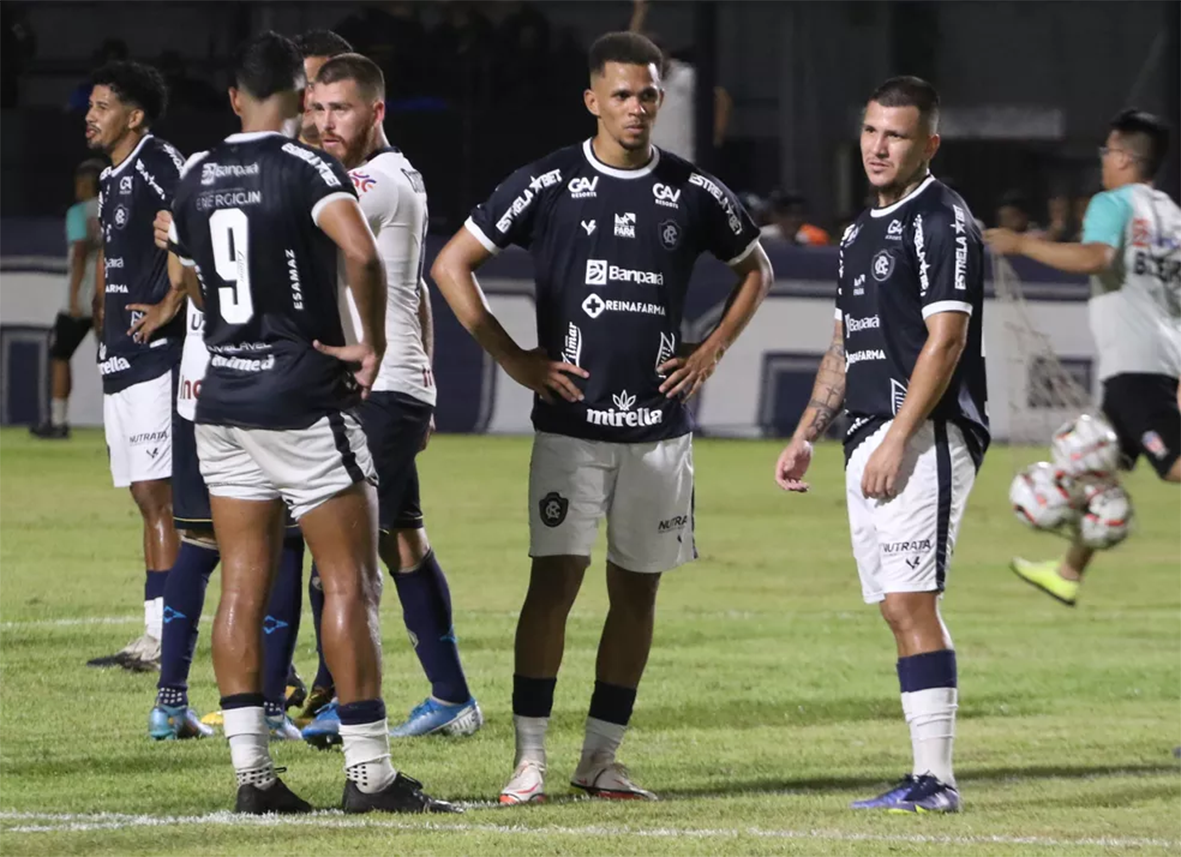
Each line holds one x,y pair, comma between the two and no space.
670,234
581,187
553,508
122,215
666,196
882,266
363,182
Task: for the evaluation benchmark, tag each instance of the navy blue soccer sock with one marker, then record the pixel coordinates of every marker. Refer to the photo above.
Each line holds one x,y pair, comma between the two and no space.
184,598
281,625
930,697
316,597
426,610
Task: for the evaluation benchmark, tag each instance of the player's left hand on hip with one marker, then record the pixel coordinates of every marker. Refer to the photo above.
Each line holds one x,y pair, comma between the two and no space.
687,374
1003,241
360,358
152,318
879,480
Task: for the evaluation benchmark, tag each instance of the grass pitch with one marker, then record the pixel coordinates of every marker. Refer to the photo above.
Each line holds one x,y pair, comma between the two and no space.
769,703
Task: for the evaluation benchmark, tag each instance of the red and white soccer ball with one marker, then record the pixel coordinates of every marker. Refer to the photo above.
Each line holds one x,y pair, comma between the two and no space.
1086,444
1106,516
1043,496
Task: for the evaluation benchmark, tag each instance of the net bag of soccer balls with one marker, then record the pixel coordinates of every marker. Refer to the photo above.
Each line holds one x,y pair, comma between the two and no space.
1078,492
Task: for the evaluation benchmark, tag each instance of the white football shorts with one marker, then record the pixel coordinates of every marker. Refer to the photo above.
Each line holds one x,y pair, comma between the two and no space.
644,490
905,543
138,425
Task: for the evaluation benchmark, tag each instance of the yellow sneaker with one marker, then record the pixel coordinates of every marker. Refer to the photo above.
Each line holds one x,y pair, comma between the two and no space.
214,718
1044,575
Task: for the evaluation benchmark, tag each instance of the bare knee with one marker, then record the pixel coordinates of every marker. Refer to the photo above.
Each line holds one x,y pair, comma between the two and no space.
554,583
154,498
631,591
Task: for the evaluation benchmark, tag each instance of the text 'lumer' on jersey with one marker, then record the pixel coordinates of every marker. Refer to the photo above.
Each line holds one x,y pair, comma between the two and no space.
245,214
135,269
898,266
612,252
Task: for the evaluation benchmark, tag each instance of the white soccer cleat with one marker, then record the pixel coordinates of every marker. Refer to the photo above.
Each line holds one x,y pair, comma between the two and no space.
605,778
527,785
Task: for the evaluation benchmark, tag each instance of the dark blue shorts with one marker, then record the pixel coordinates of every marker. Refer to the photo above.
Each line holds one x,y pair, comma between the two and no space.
190,496
395,426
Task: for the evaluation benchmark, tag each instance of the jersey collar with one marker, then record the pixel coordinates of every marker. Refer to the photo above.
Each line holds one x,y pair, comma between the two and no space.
383,150
251,136
637,173
114,171
882,212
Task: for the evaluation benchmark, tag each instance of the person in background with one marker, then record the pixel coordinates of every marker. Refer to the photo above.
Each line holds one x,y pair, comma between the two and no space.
1014,213
74,320
1059,227
788,221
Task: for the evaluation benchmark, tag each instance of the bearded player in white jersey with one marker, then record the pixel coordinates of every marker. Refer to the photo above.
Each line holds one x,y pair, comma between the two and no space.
1131,248
347,104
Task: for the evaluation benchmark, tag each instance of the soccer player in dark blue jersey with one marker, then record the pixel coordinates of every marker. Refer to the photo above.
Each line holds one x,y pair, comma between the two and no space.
126,100
907,364
614,226
264,219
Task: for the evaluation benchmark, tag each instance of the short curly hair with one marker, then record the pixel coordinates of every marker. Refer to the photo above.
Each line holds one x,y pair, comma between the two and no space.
136,84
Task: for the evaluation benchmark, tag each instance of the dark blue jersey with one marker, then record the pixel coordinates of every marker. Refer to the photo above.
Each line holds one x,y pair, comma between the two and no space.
130,194
245,214
612,252
898,266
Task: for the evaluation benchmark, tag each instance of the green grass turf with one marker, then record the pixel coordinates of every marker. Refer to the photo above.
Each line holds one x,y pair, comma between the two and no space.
769,703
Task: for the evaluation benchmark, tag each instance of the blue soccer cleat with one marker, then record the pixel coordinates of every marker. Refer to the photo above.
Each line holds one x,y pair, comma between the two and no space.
171,723
929,795
283,729
431,716
890,798
324,730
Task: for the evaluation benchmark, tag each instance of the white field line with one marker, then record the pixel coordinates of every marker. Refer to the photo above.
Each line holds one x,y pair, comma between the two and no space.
80,823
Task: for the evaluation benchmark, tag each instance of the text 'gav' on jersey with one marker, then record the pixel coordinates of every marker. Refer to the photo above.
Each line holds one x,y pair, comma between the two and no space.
245,214
899,265
613,250
136,270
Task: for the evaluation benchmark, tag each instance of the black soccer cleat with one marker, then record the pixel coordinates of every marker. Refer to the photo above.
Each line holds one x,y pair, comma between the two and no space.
277,799
48,431
297,692
404,794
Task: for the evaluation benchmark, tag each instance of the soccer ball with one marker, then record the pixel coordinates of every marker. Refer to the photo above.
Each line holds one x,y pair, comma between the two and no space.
1107,517
1086,444
1043,496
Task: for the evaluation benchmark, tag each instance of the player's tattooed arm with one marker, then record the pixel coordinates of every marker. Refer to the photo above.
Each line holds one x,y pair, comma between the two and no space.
828,393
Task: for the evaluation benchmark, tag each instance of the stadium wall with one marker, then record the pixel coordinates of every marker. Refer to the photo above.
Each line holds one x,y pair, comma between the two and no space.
760,388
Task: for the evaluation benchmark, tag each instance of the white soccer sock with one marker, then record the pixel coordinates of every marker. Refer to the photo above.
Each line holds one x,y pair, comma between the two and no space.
530,738
602,739
58,411
367,754
930,714
154,617
246,729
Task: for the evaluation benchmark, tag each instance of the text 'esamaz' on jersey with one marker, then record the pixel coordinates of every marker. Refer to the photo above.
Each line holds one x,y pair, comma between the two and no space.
245,214
899,265
612,251
136,270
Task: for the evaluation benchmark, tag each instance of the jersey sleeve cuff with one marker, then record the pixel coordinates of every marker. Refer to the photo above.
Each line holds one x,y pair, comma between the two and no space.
326,201
175,249
946,306
478,234
746,252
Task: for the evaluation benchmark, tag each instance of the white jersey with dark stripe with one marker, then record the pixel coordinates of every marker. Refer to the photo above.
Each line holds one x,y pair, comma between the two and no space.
612,253
246,215
899,265
393,199
136,270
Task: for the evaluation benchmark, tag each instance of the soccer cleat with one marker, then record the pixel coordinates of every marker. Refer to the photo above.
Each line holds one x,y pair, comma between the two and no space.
603,777
1044,575
928,795
324,730
277,799
214,718
432,716
297,692
404,794
526,785
889,798
317,699
136,656
48,431
173,722
282,729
